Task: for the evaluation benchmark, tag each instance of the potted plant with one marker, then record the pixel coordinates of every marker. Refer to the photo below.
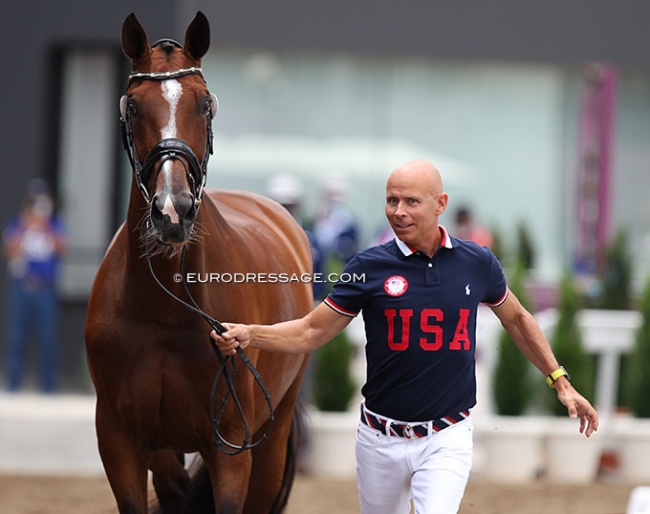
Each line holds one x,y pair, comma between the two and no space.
616,284
634,433
512,441
512,379
568,347
616,276
570,457
525,249
332,424
333,386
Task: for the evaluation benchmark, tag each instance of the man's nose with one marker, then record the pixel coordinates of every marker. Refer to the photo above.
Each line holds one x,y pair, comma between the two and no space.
399,209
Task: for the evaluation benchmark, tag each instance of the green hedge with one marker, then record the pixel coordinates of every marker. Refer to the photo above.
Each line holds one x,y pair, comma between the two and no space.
637,377
512,382
568,347
334,386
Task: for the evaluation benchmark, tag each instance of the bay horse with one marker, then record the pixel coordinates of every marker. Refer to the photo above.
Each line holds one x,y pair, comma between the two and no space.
161,389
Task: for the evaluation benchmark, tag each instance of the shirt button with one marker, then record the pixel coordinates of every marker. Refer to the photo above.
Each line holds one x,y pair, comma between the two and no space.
430,265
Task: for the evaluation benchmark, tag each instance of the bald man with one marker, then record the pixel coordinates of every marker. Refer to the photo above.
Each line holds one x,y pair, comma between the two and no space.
419,297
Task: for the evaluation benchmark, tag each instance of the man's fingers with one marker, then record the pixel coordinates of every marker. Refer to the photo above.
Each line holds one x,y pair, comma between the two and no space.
227,345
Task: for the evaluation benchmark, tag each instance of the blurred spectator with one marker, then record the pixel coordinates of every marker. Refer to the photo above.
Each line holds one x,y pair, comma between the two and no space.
289,192
466,228
33,242
335,229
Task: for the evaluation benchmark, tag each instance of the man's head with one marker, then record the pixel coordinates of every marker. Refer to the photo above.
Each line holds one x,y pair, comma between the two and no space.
414,201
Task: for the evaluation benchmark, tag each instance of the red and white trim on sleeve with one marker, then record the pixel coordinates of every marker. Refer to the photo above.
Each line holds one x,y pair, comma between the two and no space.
500,301
339,309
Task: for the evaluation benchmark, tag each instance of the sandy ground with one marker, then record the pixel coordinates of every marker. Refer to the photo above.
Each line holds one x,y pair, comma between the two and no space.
311,495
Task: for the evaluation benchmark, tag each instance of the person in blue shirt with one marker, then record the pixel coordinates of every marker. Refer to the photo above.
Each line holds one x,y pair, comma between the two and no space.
419,296
335,231
33,243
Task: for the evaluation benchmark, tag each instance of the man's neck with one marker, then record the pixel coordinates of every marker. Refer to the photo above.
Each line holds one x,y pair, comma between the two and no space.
430,247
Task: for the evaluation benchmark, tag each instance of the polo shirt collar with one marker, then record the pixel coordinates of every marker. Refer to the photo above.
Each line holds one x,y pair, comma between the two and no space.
407,250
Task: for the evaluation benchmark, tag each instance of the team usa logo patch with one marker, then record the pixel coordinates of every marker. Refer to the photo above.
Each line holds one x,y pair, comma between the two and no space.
396,285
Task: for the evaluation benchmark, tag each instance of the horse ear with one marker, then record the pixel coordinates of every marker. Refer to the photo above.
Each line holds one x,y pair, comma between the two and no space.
197,37
135,42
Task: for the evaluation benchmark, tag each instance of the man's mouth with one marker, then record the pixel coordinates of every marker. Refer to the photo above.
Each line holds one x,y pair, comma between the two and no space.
402,228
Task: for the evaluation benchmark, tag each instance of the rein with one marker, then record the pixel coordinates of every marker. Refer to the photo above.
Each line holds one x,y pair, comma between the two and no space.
229,376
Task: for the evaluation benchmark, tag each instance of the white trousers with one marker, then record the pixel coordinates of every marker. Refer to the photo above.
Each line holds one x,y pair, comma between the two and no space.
432,471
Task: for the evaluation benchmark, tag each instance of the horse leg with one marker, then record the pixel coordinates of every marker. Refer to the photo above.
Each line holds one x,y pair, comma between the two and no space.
229,478
274,461
171,482
125,466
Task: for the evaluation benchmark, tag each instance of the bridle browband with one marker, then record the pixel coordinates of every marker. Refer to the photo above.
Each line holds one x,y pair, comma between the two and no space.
170,148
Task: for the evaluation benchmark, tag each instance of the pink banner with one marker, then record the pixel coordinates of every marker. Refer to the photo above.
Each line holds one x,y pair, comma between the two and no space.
595,166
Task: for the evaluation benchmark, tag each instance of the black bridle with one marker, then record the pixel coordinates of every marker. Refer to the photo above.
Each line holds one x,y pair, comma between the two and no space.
177,149
170,148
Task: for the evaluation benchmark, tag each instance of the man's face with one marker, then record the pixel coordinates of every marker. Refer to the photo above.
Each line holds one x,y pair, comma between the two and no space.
412,209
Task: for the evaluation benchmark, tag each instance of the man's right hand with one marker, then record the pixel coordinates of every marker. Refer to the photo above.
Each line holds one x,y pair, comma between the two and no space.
235,336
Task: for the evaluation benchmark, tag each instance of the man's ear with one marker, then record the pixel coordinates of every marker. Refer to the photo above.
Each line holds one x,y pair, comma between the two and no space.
443,199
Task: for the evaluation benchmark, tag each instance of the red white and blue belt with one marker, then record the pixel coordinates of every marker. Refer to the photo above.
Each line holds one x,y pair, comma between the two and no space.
409,430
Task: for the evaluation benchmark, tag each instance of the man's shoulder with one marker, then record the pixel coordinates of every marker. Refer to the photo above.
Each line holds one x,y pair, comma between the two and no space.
383,250
470,248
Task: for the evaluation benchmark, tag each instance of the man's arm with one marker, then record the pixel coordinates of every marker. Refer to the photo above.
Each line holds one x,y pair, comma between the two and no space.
301,335
529,338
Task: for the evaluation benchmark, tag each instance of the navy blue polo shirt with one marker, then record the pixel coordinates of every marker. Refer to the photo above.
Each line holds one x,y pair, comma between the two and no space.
420,322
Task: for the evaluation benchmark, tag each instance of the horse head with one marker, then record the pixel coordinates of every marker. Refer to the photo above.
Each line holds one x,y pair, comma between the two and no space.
166,118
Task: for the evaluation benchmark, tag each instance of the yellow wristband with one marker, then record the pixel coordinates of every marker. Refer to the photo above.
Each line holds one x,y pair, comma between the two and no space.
559,372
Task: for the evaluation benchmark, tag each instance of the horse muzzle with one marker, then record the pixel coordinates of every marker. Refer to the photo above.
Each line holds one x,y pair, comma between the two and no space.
172,218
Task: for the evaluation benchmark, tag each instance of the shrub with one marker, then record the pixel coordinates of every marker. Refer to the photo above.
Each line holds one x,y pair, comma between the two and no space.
616,277
512,387
334,386
525,250
637,377
568,346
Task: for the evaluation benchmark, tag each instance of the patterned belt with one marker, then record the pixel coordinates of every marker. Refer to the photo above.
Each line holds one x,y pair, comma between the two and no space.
409,430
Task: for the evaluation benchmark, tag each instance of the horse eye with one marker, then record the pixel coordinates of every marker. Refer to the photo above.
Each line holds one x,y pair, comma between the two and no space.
207,107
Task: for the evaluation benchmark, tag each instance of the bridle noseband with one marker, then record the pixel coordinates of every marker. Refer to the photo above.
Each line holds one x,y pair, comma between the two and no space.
169,148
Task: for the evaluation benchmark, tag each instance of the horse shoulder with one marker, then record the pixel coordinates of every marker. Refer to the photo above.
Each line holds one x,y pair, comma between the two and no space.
252,213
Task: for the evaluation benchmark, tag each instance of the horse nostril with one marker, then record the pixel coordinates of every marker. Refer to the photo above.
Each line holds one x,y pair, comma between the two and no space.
173,210
185,207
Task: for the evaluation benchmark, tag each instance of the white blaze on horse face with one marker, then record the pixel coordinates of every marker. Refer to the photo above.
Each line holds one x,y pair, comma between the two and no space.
172,91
